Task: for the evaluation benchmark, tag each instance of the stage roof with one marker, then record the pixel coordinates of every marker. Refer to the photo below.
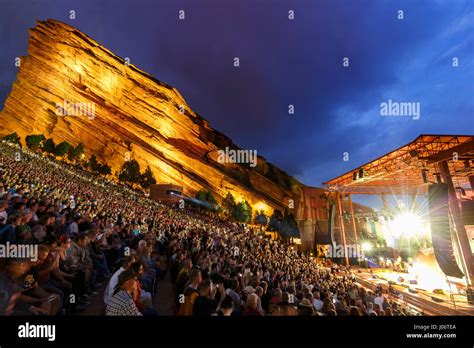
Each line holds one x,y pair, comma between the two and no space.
400,171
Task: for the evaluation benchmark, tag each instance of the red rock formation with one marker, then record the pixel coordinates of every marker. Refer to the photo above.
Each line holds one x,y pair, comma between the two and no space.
127,112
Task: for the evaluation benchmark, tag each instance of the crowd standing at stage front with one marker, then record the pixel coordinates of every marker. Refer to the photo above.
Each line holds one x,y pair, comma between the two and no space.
95,234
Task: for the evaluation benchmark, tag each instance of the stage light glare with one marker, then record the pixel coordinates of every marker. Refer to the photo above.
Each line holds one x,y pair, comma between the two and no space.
366,246
407,224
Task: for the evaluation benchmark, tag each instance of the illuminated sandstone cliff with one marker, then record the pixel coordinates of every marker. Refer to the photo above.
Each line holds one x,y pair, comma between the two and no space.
134,115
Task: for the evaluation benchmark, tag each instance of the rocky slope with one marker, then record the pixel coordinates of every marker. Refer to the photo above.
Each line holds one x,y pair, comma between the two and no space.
122,112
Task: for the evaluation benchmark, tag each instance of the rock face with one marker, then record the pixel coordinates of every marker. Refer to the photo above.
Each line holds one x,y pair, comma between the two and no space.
71,88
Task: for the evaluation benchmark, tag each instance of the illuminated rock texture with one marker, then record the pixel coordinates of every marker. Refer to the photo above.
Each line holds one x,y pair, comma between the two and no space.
124,112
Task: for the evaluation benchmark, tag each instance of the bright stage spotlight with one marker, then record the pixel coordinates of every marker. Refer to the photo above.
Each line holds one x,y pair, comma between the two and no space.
366,246
407,224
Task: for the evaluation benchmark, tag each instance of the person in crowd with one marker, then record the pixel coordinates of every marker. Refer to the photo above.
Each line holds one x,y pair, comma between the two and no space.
226,307
7,233
143,299
251,306
206,304
122,302
12,302
73,228
190,294
183,276
113,281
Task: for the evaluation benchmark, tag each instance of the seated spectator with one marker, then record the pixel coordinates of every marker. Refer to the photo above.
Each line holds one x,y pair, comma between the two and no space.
11,286
251,306
7,233
355,311
183,276
113,281
206,304
317,303
190,293
226,307
288,307
305,307
143,299
122,303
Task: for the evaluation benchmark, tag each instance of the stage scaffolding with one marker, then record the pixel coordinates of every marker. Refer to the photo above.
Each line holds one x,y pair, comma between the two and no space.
409,170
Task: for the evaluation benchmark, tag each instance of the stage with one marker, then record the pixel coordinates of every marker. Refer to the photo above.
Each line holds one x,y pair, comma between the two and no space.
419,296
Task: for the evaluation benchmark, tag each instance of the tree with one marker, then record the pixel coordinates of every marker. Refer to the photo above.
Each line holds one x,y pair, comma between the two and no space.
201,195
130,172
12,138
147,178
49,146
93,164
210,198
286,225
75,153
35,141
260,218
275,220
62,149
229,205
243,212
104,169
207,197
96,167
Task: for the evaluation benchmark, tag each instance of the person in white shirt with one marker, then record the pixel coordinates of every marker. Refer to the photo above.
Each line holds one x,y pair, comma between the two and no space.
109,290
74,226
122,302
370,308
317,303
379,300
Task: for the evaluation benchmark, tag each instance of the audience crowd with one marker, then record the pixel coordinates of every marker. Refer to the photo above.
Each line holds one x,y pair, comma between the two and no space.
92,233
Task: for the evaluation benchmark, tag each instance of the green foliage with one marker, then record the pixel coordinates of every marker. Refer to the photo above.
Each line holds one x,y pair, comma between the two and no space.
49,146
243,212
12,138
75,153
105,169
289,227
260,218
275,220
285,224
96,167
147,178
130,172
62,149
35,141
207,197
93,164
229,205
201,195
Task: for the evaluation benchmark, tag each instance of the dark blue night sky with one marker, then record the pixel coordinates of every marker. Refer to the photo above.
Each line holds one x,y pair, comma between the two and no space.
286,62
